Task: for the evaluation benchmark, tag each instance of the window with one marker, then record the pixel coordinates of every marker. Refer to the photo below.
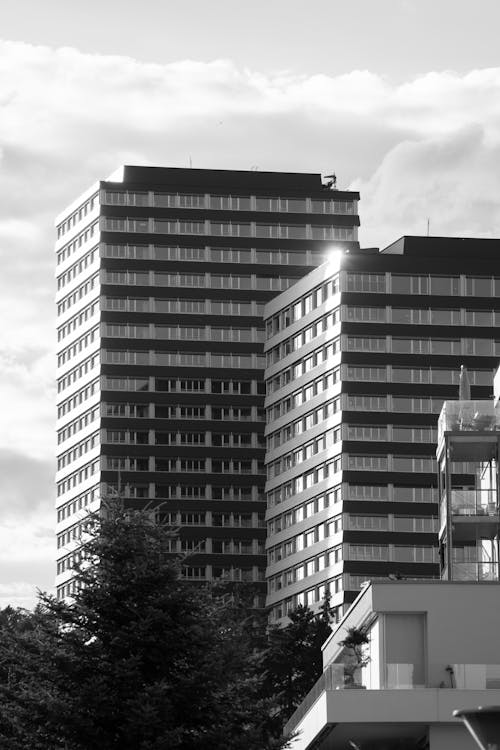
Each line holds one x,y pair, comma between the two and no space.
479,346
445,285
367,463
408,315
479,286
368,432
366,343
366,373
368,552
415,494
191,200
333,207
366,403
366,282
378,523
367,492
403,553
332,233
179,279
414,464
412,524
421,405
410,346
176,252
189,412
368,314
230,202
479,318
445,317
409,284
414,434
231,282
406,375
445,346
229,229
124,198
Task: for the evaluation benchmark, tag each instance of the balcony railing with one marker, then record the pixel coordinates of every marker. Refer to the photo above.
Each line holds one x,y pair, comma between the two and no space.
475,571
335,677
397,677
469,416
476,676
401,677
472,503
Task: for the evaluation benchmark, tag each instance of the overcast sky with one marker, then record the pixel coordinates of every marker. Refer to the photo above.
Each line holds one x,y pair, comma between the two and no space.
401,98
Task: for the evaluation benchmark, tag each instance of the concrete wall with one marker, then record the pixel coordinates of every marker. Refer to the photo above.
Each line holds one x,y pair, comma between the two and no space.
463,620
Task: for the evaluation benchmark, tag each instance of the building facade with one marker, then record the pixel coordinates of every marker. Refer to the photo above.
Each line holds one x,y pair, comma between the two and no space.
427,656
162,278
361,354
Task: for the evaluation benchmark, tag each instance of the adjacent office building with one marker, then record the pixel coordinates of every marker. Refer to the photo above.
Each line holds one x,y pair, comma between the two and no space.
162,278
361,354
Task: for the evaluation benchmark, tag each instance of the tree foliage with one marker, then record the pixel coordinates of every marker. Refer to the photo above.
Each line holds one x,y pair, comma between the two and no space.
143,660
294,658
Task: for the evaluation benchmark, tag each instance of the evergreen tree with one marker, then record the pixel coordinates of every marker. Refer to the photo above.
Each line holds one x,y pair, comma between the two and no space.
294,658
143,660
140,660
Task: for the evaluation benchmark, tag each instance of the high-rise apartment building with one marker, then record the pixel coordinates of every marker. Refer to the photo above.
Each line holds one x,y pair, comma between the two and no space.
162,277
361,354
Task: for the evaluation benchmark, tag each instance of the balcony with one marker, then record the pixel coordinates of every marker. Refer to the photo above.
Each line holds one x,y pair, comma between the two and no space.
474,502
333,678
341,676
476,676
423,702
475,571
398,679
468,416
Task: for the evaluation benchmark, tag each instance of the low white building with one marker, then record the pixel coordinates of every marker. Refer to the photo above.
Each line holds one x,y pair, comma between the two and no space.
433,647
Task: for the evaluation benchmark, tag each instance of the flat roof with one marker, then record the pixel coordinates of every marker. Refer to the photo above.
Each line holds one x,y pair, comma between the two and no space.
416,245
299,182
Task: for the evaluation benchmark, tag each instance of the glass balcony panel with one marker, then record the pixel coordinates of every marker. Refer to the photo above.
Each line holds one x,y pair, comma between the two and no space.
334,677
469,416
475,571
400,677
477,676
474,502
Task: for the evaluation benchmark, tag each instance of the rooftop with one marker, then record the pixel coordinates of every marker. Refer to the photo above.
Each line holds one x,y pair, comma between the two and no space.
291,182
444,246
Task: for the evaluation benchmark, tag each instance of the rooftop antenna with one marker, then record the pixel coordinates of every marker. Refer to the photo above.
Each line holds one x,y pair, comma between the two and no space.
428,226
332,181
190,162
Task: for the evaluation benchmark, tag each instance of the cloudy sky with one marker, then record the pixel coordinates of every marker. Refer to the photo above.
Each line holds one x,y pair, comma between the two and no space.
401,98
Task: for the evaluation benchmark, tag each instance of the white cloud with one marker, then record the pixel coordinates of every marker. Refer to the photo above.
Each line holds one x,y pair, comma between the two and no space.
426,148
446,180
18,594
